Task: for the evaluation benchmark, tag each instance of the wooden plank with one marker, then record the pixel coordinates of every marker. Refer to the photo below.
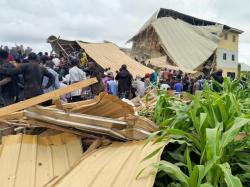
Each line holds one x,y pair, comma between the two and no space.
45,97
62,129
58,103
16,115
93,146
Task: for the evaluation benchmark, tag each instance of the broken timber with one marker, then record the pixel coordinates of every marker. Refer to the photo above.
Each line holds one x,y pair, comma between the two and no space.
135,128
45,97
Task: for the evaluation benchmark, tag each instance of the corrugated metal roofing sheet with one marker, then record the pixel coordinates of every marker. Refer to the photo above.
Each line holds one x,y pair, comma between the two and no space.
116,165
187,45
29,160
161,63
108,55
105,105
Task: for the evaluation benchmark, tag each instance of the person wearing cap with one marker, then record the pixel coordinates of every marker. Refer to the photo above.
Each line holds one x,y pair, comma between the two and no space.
107,77
124,79
32,74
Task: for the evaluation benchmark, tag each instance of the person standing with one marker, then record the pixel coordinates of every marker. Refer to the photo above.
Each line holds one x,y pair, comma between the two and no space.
178,87
93,72
76,75
33,74
139,86
107,77
124,79
8,84
185,82
112,86
63,98
49,66
217,76
154,78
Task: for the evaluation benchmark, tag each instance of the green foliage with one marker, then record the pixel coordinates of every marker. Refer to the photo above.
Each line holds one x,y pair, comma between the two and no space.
206,128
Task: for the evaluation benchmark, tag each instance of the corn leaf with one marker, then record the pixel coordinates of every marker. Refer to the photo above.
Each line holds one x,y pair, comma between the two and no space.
173,171
188,161
231,181
230,134
155,152
196,176
206,185
211,143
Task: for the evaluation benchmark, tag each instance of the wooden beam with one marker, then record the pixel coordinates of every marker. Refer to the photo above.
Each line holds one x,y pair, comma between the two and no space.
45,97
97,143
15,115
62,129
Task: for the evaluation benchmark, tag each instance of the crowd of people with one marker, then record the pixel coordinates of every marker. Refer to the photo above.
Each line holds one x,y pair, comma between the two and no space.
24,74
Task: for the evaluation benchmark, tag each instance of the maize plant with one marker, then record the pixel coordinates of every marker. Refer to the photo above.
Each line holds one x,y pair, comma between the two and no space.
205,132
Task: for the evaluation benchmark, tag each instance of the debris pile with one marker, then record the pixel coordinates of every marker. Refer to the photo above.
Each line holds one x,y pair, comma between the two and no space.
75,143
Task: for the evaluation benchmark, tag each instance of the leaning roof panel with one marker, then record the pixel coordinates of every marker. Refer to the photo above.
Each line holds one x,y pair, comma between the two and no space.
108,55
187,45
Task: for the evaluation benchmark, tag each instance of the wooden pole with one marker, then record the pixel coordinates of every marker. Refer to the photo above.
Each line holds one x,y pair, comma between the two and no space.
45,97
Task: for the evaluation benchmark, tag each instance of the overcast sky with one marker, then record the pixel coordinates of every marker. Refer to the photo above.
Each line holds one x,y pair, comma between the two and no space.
30,22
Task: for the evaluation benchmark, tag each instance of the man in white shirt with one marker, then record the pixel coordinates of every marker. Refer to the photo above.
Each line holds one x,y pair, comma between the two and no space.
139,86
76,75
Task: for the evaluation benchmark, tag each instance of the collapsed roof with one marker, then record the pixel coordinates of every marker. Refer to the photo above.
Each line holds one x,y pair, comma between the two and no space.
163,12
32,160
84,157
188,41
107,55
162,63
116,165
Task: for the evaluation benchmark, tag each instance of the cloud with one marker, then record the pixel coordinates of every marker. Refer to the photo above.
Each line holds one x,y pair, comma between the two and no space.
31,22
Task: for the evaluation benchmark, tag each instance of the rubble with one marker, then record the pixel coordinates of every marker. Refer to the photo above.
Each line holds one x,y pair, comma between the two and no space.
54,146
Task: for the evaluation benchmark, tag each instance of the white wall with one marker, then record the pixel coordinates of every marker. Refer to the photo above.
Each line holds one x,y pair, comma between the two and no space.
228,63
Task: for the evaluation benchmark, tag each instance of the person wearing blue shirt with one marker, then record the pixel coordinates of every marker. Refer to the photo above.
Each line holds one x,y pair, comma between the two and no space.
112,86
153,78
178,87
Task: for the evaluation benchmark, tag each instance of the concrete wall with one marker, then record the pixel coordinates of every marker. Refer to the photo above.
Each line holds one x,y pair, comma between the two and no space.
229,46
228,43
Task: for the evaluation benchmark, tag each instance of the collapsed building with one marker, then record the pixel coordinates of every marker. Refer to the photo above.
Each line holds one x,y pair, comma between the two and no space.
106,55
190,43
